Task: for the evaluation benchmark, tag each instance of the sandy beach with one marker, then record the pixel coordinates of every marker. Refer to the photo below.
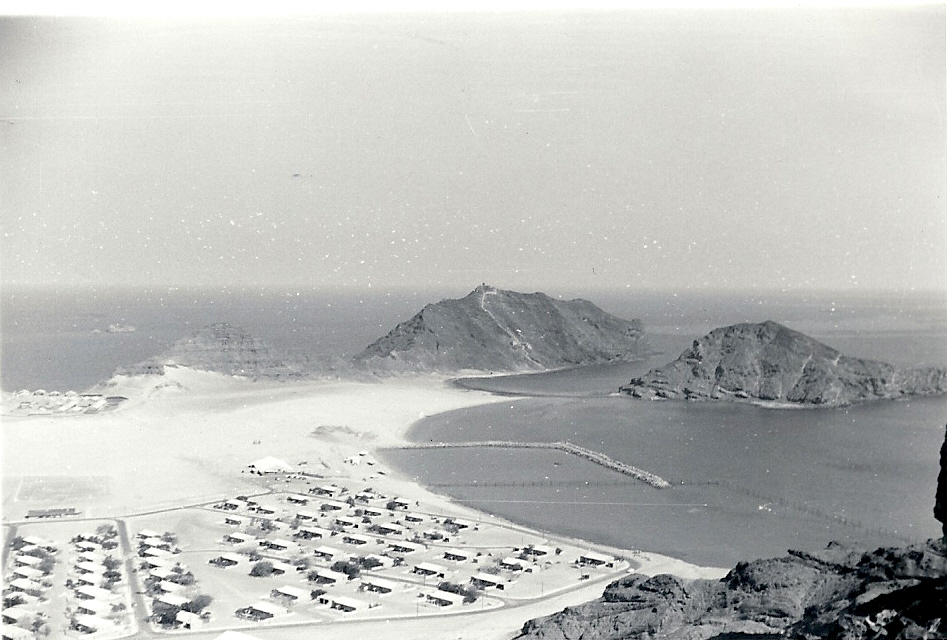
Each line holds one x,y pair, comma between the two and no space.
186,438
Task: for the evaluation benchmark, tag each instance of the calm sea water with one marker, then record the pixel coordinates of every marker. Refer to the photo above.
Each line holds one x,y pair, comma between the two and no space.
749,482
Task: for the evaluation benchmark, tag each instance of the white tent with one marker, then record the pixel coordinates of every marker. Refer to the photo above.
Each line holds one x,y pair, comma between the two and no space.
269,464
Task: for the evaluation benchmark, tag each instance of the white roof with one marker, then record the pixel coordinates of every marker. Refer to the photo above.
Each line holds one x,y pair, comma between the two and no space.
148,533
95,605
453,598
239,536
404,545
295,592
170,587
87,545
329,551
16,633
187,617
234,557
94,592
430,566
93,622
162,572
486,577
30,560
91,567
329,574
347,602
282,566
26,583
307,514
541,548
599,557
317,531
39,542
267,607
357,537
28,572
279,542
457,552
298,497
380,582
235,635
510,560
173,599
270,464
91,556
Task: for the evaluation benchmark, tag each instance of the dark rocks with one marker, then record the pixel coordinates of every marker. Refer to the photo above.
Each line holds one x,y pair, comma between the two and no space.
495,330
768,362
888,593
940,501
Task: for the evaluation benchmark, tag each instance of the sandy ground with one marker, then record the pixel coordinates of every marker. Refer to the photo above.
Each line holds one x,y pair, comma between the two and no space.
186,438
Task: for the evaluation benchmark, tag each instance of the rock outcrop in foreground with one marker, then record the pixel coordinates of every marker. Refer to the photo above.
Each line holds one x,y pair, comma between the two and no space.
221,348
495,330
771,363
891,593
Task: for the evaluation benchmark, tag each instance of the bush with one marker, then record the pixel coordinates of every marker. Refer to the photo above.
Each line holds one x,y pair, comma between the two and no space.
315,593
111,563
470,593
262,569
351,569
369,563
198,603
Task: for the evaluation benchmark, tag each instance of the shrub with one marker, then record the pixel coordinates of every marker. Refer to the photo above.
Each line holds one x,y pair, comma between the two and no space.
198,603
262,569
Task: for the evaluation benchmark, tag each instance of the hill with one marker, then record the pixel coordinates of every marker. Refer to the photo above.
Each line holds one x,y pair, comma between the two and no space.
769,362
221,348
495,330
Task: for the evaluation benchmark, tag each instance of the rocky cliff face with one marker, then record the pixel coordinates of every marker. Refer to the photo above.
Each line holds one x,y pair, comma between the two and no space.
222,348
495,330
890,593
769,362
940,501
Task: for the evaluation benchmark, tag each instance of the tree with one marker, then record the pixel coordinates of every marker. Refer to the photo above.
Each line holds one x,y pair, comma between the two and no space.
351,569
262,569
111,563
315,593
47,565
198,603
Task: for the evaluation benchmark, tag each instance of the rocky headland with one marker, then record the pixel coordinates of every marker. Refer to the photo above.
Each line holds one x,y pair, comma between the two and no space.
893,593
504,331
768,362
222,348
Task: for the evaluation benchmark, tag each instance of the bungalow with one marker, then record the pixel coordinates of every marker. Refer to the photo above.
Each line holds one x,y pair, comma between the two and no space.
330,506
326,490
328,576
25,585
306,515
91,624
231,505
347,521
372,512
154,563
354,538
162,573
512,564
233,521
14,614
365,496
166,586
377,585
91,556
10,632
21,560
456,555
327,553
389,529
83,568
269,464
88,579
382,561
172,600
297,499
226,560
279,568
344,604
186,620
413,517
94,608
292,594
279,544
433,534
398,503
89,592
42,543
593,559
429,569
156,543
485,580
265,510
238,538
147,533
29,573
444,598
154,552
308,533
404,547
260,611
538,550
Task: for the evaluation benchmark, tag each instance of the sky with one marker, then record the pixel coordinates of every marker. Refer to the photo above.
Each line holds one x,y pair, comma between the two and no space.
779,149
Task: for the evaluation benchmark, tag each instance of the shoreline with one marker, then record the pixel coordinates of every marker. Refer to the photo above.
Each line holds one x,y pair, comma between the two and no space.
188,436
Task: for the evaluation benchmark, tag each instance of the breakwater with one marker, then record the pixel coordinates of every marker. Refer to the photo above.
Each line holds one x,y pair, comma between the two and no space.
600,459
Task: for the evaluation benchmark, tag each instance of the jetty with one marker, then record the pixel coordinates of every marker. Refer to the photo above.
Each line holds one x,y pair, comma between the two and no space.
600,459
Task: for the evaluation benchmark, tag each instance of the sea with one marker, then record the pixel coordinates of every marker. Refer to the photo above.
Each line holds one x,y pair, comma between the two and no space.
747,482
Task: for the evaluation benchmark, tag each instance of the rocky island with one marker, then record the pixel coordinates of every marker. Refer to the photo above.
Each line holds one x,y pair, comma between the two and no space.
496,330
768,362
221,348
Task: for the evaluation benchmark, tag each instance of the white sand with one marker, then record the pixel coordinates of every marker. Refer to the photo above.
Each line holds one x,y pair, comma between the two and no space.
187,437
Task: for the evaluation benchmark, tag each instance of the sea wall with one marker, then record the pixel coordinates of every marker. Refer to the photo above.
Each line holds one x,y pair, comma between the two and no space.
592,456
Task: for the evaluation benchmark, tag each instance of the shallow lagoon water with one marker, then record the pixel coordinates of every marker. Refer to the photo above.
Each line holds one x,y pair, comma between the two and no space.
748,481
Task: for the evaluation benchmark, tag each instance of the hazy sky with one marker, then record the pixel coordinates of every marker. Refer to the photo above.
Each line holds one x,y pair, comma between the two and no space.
779,149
